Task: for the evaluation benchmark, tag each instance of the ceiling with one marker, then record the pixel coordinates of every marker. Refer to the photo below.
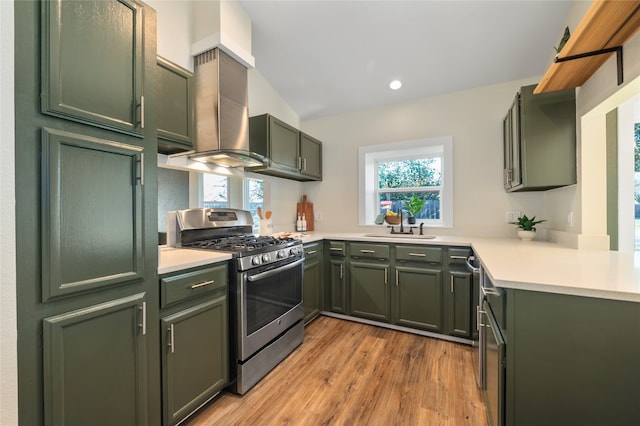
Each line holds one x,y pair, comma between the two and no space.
335,56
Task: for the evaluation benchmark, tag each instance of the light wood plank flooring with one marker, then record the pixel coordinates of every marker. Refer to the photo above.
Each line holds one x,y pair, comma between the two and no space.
346,373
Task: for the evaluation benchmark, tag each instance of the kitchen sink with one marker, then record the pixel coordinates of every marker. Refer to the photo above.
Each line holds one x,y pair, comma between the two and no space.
410,236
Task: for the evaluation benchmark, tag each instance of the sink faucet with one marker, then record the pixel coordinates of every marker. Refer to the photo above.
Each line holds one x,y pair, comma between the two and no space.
421,225
401,228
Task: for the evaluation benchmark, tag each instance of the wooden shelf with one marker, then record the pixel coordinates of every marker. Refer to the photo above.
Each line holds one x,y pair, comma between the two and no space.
606,24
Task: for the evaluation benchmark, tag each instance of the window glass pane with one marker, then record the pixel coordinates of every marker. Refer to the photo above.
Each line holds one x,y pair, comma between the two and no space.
254,196
410,173
214,191
395,201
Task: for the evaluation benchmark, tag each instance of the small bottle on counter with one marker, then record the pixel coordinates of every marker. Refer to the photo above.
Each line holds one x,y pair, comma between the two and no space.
299,223
304,223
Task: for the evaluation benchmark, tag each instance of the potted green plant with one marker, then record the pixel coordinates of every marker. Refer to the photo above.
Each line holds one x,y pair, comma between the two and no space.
527,227
414,207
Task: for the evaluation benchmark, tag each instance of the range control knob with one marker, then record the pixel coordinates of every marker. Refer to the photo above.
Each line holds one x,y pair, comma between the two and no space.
255,260
281,254
294,251
265,257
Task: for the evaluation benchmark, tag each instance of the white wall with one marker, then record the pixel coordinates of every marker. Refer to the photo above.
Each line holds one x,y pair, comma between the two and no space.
472,117
8,321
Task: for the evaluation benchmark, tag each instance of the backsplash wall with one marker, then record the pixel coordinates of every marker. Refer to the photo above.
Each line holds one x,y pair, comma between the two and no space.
173,194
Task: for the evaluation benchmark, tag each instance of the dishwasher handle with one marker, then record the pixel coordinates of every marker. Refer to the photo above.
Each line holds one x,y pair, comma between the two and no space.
469,261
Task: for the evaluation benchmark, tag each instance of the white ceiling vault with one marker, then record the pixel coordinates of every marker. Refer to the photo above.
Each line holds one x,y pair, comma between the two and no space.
334,56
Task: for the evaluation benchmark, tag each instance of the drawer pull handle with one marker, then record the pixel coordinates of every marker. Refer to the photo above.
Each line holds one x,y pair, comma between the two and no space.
312,252
417,254
367,251
171,340
458,257
335,249
202,284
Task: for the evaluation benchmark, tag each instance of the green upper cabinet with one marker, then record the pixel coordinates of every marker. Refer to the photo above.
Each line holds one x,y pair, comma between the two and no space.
291,154
92,63
95,370
175,105
539,139
91,213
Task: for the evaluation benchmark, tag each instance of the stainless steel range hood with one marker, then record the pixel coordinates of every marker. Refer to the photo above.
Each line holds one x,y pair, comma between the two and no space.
221,112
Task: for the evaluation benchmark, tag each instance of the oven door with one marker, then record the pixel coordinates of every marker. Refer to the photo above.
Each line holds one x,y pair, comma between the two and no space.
270,302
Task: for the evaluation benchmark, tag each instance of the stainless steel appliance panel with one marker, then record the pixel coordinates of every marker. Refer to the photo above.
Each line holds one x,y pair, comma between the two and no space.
495,368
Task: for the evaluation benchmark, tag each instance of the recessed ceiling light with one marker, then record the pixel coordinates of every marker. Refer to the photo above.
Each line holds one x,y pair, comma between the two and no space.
395,85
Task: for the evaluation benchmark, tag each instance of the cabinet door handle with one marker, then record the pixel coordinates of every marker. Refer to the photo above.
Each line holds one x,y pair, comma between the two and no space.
397,278
489,291
202,284
479,314
417,254
304,164
386,275
172,342
142,112
341,271
299,163
143,324
141,176
458,257
367,251
451,283
311,252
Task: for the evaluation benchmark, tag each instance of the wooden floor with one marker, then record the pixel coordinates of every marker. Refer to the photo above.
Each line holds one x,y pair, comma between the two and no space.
346,373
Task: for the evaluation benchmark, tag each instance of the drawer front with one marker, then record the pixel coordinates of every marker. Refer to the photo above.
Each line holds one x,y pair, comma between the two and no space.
337,248
180,287
419,254
312,250
375,251
458,256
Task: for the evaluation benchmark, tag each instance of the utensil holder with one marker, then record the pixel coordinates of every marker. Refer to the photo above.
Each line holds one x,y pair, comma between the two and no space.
266,227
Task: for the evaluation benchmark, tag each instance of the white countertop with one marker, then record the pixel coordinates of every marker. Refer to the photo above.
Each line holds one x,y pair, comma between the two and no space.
509,262
172,259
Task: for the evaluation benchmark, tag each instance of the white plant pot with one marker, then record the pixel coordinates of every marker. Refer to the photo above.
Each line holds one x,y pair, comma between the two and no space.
526,235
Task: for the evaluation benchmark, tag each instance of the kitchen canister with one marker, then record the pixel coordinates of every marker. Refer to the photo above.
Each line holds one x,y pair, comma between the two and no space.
266,227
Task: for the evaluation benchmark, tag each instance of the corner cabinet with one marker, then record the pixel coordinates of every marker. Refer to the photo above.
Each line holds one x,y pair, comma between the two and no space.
312,281
539,141
175,108
194,337
93,63
291,153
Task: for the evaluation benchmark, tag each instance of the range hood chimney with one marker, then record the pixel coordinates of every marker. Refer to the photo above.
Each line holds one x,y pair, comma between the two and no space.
221,112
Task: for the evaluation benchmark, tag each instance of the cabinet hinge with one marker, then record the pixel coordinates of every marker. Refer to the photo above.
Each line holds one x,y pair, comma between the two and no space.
140,176
143,324
141,121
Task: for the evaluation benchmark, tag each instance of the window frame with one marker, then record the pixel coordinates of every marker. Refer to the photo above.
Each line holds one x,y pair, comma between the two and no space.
369,157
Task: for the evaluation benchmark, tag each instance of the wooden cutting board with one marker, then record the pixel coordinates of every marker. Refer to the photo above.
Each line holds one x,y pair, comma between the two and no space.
306,208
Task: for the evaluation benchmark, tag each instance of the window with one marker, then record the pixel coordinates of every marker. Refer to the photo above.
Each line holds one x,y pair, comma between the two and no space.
215,191
391,174
254,198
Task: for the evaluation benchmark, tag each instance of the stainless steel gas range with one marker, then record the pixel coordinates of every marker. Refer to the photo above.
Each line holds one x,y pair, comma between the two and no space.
265,287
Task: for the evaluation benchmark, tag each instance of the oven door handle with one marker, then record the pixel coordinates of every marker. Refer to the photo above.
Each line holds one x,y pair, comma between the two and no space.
267,274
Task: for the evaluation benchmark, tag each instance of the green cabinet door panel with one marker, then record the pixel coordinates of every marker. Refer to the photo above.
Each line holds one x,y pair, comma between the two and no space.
370,290
459,306
338,282
92,62
312,281
283,149
311,156
95,369
418,301
91,213
195,361
175,108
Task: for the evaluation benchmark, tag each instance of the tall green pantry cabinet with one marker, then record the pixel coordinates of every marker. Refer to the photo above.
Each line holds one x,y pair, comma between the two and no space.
86,222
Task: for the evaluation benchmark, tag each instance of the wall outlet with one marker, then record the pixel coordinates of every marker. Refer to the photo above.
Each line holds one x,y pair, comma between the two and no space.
317,216
570,219
510,217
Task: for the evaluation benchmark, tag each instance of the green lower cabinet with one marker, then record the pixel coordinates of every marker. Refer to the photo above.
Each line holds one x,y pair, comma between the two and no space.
312,281
195,360
338,283
459,297
369,284
418,298
95,364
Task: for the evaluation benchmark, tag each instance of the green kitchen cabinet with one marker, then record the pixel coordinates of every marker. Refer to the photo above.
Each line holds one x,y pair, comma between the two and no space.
539,141
175,108
418,298
312,281
93,63
194,333
95,369
291,154
369,292
96,244
458,302
336,294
